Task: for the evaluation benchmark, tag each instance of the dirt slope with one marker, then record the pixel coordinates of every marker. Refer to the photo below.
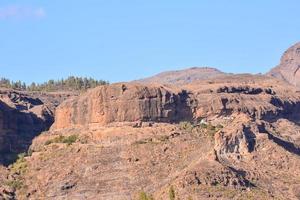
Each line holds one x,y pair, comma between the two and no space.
183,76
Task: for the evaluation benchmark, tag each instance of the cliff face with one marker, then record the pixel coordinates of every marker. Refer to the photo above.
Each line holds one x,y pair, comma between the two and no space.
257,96
289,66
125,103
22,117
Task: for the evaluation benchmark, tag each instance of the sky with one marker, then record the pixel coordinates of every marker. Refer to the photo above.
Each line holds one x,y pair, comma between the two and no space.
122,40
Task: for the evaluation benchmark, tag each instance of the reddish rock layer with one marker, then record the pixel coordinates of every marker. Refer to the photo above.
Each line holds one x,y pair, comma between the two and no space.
125,102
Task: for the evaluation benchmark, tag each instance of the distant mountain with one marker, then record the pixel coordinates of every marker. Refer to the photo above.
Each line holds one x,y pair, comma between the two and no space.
183,76
288,69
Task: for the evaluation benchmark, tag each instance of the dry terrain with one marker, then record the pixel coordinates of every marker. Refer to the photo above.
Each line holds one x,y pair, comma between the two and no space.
223,136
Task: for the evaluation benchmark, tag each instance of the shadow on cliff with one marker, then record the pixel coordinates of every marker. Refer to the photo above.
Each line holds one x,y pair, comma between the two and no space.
286,109
185,105
17,131
288,146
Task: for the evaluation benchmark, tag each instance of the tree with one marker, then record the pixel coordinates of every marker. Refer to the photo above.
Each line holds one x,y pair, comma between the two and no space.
70,84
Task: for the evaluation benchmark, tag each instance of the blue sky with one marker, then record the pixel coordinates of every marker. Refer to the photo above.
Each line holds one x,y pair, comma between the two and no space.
121,40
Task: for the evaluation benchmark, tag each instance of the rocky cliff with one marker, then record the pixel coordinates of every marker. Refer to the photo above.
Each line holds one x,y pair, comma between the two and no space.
260,97
289,66
125,103
22,117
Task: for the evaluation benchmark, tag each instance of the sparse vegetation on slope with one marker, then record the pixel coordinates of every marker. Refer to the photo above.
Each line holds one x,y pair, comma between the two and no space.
20,165
144,196
63,139
172,193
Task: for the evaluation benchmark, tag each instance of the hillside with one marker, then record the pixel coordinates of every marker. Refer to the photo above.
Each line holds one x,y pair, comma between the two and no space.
210,136
183,76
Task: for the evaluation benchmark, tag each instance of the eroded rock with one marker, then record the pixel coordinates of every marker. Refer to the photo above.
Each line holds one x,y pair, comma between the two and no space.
125,102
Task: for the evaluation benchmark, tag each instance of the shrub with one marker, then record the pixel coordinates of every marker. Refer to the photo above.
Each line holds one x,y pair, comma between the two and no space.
211,127
15,184
20,166
187,126
70,140
143,196
172,193
211,130
203,126
63,139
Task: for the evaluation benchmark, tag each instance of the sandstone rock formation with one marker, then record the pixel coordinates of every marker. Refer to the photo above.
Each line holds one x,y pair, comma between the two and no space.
22,117
183,76
125,102
289,66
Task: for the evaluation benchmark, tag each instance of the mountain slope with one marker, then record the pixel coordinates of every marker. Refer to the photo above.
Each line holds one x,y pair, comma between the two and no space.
183,76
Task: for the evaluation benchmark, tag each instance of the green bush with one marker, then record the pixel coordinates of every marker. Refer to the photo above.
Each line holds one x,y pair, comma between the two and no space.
144,196
20,166
204,126
63,139
15,184
70,140
187,126
219,126
172,193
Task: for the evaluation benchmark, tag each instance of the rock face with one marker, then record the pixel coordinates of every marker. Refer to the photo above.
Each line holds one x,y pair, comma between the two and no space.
22,117
183,76
260,97
131,102
125,103
289,66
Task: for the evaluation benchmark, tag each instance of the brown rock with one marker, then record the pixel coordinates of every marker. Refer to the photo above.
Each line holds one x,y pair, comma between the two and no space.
22,117
288,69
125,102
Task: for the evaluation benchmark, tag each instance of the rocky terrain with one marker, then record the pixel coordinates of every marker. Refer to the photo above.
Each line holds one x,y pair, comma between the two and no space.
224,136
22,117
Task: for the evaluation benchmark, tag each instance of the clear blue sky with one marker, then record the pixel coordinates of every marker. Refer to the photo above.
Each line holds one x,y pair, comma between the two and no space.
120,40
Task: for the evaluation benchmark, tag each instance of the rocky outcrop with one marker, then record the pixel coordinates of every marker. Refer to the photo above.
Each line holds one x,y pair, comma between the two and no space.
258,97
289,66
22,117
125,103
